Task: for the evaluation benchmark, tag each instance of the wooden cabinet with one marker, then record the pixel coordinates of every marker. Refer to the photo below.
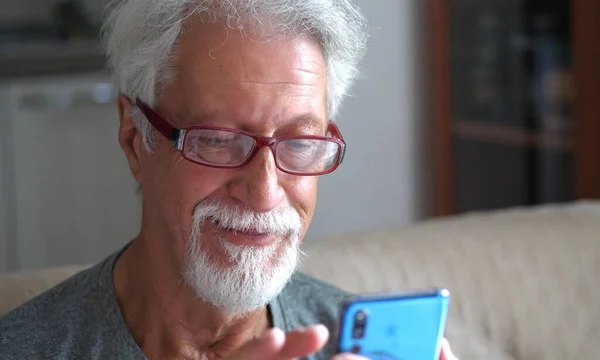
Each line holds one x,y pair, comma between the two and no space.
515,94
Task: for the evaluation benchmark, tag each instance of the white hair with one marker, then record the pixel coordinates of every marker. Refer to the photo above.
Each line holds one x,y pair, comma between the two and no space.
252,276
140,36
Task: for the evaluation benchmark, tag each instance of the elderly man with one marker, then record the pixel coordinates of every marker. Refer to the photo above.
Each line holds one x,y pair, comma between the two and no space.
225,122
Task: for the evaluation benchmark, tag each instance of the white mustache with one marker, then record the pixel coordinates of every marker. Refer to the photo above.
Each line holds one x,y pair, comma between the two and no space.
281,221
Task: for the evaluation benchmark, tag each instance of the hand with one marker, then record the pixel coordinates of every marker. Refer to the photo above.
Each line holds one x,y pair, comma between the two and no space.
446,352
277,345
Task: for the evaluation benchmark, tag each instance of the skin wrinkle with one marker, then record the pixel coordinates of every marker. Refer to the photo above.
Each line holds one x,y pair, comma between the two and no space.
317,128
301,68
207,116
304,124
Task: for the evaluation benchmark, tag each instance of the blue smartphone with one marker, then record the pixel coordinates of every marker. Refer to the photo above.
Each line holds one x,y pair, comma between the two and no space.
398,326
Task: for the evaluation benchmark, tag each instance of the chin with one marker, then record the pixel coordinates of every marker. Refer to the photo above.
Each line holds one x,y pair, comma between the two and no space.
248,279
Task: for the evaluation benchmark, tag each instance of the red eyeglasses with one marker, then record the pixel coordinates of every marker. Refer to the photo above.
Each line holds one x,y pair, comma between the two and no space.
232,148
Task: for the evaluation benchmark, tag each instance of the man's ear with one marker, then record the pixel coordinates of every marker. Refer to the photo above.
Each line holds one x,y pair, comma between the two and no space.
130,138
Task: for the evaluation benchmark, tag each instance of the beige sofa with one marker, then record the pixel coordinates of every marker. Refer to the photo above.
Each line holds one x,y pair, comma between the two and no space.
523,280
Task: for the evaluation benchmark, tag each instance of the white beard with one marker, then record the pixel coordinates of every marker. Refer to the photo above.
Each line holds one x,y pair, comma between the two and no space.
253,275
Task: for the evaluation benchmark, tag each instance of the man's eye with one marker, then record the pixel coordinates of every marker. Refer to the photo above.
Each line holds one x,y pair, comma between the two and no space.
299,146
214,141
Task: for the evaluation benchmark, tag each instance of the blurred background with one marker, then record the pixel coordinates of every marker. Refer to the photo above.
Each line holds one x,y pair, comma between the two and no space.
463,105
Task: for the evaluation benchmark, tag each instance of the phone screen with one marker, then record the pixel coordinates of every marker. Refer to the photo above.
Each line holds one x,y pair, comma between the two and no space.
400,326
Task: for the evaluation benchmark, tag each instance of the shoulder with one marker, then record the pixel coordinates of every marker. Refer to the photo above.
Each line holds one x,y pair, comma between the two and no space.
318,290
309,300
41,326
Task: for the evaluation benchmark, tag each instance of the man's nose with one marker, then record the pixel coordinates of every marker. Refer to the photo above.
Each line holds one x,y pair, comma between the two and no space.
258,183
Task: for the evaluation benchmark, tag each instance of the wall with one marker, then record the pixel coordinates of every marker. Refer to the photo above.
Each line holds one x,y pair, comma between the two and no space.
383,181
29,11
71,195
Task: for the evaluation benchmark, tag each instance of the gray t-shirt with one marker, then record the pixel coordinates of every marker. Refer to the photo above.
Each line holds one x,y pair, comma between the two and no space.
80,318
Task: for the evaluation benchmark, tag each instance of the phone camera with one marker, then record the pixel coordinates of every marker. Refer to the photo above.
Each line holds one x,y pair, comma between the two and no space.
361,316
360,324
355,349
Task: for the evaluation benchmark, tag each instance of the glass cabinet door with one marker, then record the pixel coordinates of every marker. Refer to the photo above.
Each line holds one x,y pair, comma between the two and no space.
511,87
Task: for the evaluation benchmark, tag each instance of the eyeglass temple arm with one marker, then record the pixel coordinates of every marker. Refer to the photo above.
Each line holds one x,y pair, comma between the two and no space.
335,132
158,122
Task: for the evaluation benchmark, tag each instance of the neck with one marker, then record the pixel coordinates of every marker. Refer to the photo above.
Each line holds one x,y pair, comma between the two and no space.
164,315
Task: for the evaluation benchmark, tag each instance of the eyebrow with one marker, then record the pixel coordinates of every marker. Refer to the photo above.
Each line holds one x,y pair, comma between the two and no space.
307,118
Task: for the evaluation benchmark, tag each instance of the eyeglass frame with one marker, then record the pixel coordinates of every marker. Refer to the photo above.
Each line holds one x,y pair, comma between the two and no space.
177,138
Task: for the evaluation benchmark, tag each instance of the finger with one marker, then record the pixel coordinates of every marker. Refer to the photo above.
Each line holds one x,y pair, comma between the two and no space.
265,347
302,342
348,356
446,353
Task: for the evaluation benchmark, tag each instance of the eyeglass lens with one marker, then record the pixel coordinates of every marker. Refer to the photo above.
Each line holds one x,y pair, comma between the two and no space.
226,148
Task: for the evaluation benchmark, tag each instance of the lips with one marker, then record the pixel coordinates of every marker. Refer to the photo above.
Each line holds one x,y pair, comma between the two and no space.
249,236
249,232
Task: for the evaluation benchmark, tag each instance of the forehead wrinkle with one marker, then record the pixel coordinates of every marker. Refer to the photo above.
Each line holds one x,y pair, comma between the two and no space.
246,84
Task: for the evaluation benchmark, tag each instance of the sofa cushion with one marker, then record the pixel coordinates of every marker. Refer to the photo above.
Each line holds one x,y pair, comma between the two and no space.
523,279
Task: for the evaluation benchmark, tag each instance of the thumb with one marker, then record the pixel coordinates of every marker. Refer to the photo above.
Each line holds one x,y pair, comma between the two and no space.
446,353
265,347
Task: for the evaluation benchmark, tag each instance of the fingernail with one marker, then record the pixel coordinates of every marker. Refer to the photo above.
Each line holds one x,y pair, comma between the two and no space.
341,357
321,330
274,333
447,350
305,328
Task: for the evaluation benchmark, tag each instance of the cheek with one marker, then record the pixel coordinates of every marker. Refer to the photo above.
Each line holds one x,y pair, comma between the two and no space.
176,186
189,184
302,194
